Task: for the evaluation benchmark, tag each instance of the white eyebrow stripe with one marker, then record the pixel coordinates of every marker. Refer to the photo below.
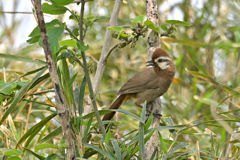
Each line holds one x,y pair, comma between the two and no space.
164,58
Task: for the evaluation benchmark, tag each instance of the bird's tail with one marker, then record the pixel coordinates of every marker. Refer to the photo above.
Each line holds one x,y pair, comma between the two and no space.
115,105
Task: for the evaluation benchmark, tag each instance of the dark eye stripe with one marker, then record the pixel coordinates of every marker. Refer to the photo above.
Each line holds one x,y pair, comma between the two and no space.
162,60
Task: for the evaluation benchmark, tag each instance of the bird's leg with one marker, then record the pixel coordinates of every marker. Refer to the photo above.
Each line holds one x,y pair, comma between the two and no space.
142,107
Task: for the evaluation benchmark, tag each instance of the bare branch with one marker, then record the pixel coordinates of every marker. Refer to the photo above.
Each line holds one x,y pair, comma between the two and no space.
62,108
102,62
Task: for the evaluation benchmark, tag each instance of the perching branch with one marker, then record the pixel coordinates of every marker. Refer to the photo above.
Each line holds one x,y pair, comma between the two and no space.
62,107
155,106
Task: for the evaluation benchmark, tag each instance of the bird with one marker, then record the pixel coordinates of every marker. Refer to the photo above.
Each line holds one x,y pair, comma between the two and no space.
147,85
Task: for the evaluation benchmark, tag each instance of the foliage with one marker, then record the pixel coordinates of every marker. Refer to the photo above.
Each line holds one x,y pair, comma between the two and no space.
200,111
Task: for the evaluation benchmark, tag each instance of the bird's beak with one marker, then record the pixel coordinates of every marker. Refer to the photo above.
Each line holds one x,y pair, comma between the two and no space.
151,63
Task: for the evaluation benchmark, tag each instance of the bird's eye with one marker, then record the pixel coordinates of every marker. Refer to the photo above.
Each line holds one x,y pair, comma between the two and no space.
160,60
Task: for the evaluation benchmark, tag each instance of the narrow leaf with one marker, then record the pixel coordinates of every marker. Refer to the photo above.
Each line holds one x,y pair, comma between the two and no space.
45,146
34,130
54,133
23,59
116,28
207,78
35,154
177,22
117,149
100,151
81,95
19,96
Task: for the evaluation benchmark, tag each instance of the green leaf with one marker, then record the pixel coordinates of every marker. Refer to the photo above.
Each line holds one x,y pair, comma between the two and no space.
52,157
128,113
33,40
13,152
152,26
163,27
149,121
49,25
81,95
100,151
64,55
162,143
54,133
116,28
141,132
14,158
63,2
23,59
87,129
108,136
82,47
177,22
35,154
8,134
117,149
138,19
69,42
7,88
207,78
45,146
54,34
31,133
175,148
19,96
99,18
53,9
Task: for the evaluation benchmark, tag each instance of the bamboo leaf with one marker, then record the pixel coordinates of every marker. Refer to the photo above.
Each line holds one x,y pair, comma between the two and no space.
99,151
23,59
207,78
19,96
54,133
34,130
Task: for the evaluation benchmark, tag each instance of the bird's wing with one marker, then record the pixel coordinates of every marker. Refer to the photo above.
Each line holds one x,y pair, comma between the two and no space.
146,79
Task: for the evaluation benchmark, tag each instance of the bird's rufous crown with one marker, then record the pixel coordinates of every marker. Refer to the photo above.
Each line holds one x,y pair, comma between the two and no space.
159,53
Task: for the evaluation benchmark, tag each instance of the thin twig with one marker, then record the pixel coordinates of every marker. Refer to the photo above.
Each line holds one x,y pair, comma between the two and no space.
69,31
94,59
110,51
85,67
80,1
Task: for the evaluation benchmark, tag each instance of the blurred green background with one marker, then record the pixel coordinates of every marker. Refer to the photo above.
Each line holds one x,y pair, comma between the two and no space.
210,46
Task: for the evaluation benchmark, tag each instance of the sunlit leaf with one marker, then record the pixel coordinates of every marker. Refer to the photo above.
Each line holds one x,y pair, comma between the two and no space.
115,28
69,42
53,9
152,26
138,19
177,22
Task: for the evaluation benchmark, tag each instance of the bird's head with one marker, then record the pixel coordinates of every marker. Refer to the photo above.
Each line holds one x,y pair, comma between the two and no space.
161,59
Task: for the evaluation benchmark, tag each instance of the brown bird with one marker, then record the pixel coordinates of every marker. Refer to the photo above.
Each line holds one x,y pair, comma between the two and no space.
148,84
